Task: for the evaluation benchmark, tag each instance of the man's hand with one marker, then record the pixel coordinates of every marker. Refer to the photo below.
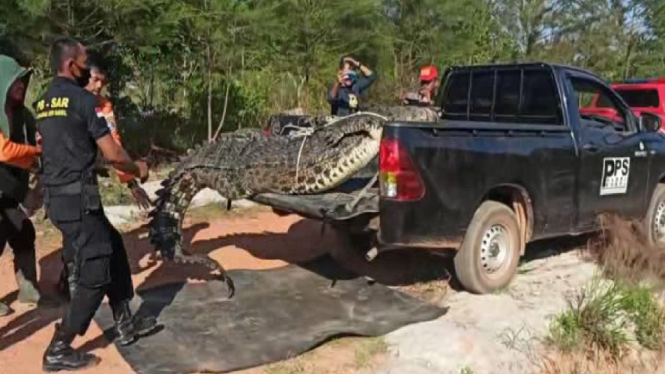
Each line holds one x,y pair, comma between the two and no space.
352,61
141,197
143,170
120,160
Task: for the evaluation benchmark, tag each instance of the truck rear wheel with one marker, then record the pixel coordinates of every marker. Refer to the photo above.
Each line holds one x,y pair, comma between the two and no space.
655,218
487,259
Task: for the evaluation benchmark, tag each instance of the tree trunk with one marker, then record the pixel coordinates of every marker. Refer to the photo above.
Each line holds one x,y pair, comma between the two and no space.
209,91
226,105
627,59
209,63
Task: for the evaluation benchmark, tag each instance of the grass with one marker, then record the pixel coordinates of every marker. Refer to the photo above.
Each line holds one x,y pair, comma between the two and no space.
615,317
115,193
595,318
366,350
603,327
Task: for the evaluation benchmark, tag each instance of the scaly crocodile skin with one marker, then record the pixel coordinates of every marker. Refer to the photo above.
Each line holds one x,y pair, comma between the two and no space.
242,164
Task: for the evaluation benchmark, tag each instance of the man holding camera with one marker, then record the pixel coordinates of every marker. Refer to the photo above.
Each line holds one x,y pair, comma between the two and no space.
344,95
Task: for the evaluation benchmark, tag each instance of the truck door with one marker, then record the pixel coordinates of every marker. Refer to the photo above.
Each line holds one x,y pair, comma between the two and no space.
613,158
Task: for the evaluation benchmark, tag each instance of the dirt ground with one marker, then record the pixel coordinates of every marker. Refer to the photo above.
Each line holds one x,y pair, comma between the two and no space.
254,239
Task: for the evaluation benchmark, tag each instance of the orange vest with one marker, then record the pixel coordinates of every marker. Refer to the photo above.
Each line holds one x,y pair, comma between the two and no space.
107,111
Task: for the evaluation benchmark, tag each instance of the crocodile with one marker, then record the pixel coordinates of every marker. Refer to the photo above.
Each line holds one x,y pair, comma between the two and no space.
243,164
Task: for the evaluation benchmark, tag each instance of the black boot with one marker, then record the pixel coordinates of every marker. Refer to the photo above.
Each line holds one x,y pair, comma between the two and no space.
129,328
61,356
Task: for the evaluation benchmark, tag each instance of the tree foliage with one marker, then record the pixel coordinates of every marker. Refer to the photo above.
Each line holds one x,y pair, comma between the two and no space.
184,70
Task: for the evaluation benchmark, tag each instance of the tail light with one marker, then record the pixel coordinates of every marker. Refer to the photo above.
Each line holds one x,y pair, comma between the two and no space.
399,178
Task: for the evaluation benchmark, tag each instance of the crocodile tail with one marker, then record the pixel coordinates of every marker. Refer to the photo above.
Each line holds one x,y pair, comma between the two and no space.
165,226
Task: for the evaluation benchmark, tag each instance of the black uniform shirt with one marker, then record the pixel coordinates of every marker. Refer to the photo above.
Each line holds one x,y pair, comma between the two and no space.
69,121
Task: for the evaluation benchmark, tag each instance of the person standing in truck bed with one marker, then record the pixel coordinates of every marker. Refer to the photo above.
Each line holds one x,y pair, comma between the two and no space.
345,94
429,84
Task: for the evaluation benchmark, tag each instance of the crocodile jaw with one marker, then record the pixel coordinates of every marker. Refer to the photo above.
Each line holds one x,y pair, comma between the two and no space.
350,164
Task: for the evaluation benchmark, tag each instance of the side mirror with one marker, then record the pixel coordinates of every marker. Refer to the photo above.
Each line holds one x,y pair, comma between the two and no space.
650,122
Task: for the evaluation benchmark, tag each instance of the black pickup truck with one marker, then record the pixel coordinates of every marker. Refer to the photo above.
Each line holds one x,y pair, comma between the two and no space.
510,160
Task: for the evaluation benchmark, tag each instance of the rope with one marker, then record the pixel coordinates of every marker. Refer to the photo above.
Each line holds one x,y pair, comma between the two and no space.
352,204
302,144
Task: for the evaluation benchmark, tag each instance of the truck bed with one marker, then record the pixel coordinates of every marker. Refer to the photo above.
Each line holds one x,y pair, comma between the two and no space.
334,205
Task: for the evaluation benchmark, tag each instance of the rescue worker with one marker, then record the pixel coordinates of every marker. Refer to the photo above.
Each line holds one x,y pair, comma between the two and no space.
429,84
344,95
72,130
18,155
98,81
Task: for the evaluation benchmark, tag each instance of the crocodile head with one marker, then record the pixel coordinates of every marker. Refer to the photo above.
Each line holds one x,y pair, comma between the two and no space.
334,153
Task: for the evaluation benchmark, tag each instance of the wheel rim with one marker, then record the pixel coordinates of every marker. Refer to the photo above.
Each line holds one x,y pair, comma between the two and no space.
659,222
495,249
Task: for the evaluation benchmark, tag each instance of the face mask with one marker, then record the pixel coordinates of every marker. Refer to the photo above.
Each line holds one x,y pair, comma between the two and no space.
84,78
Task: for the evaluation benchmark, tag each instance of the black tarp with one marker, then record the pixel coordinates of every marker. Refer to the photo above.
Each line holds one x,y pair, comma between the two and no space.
274,314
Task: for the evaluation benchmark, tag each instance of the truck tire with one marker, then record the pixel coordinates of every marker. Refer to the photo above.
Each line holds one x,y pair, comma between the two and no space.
655,218
487,259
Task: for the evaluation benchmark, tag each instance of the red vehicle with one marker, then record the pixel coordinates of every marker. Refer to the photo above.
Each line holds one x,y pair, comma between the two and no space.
642,95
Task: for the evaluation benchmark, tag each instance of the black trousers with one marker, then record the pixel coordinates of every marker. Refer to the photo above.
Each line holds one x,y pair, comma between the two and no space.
95,256
17,230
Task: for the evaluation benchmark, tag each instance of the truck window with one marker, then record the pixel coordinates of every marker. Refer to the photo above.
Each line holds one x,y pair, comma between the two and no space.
540,99
457,96
482,93
526,96
635,98
508,86
610,116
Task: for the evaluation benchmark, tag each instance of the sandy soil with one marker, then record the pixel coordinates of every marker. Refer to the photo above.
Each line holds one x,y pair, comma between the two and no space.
259,240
